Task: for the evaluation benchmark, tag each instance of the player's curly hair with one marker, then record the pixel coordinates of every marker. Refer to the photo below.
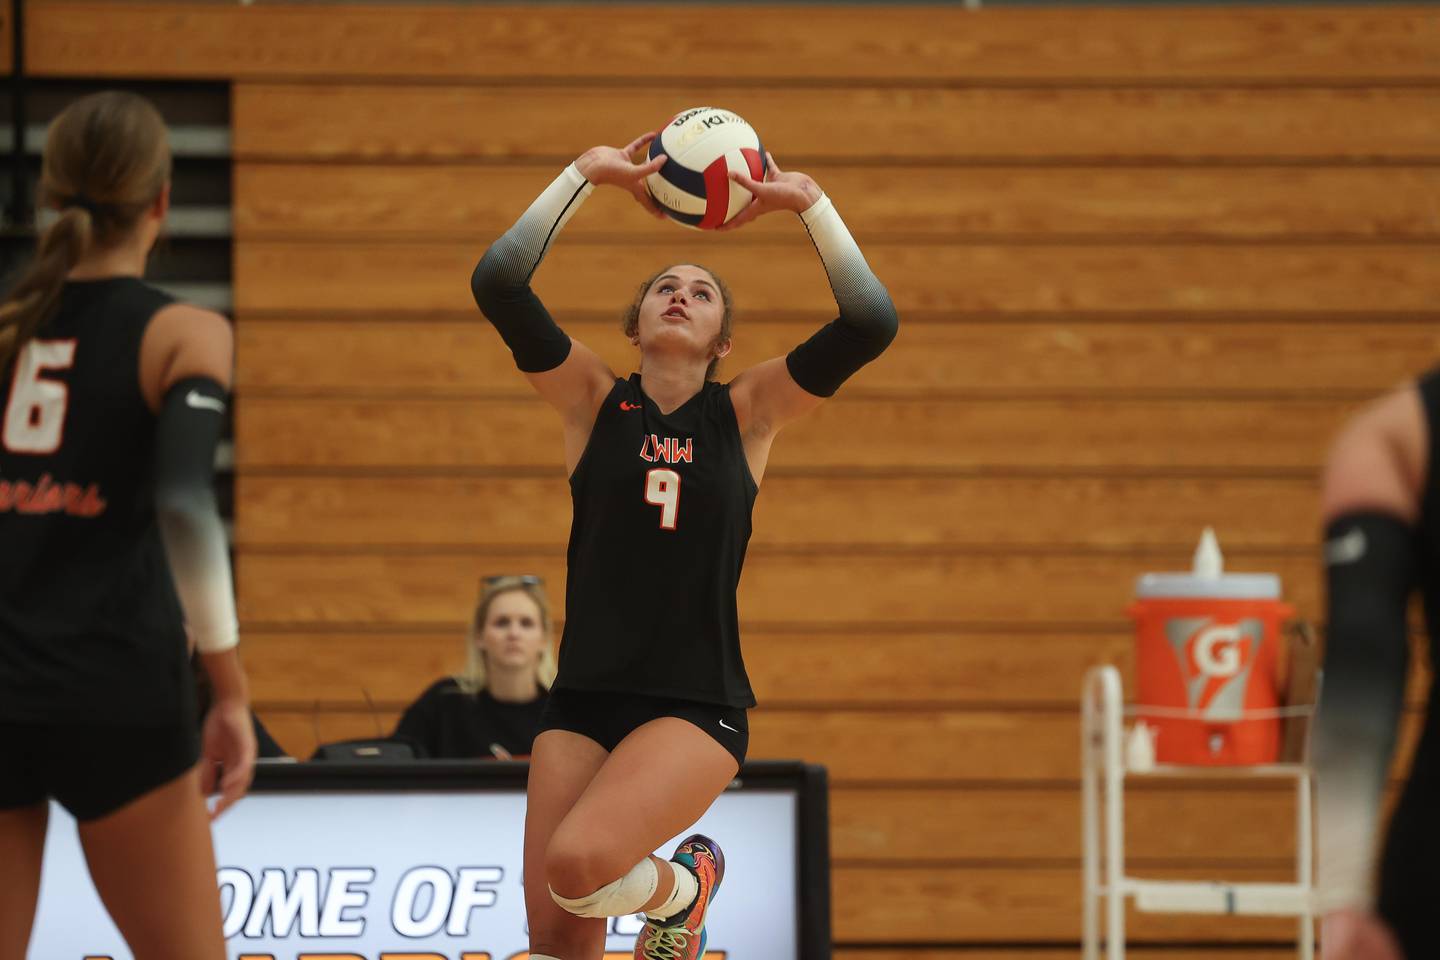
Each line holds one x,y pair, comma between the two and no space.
631,324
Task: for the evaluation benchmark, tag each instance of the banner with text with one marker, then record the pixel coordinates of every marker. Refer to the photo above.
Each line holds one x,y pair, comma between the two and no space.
424,875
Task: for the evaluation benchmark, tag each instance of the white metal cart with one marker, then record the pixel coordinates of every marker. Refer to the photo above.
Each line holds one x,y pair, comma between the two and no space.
1103,774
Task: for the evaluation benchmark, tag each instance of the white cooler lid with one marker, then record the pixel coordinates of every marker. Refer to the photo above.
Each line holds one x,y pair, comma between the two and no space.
1227,586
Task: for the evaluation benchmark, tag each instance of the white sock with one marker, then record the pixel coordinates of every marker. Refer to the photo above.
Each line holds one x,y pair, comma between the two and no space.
686,889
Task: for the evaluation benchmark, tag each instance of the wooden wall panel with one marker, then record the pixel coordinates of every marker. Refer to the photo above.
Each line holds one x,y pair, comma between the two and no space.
149,39
918,123
7,42
878,665
874,667
1125,280
1169,825
890,748
922,436
953,512
922,745
996,904
925,746
416,358
410,588
1241,203
391,668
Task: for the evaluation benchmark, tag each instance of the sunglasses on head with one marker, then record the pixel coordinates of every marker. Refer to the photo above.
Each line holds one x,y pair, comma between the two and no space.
525,580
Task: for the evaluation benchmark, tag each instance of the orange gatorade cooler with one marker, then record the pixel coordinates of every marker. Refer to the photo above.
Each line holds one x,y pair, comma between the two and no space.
1207,659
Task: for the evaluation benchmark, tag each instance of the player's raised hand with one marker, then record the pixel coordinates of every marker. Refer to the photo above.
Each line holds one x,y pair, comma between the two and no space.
780,190
618,167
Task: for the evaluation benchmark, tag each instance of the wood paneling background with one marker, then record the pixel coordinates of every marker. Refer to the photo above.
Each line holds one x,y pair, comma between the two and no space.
1147,259
1362,45
7,42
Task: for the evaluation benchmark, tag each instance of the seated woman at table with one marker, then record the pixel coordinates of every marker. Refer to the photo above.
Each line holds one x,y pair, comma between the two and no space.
493,708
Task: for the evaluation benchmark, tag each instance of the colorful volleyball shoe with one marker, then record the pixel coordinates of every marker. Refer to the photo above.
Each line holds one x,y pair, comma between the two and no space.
682,937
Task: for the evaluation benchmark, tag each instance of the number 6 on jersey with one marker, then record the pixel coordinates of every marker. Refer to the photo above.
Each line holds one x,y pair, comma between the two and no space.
662,488
35,414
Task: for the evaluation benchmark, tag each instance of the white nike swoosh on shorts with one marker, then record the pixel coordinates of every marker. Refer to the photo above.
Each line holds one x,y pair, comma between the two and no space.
199,402
727,726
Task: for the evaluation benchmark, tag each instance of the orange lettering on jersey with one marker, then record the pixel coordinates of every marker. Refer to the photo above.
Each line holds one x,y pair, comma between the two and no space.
47,496
654,449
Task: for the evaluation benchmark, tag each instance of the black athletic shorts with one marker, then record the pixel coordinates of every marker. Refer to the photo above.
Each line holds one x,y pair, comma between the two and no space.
608,718
91,770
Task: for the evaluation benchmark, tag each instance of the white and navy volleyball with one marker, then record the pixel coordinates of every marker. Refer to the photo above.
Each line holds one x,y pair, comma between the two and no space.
702,146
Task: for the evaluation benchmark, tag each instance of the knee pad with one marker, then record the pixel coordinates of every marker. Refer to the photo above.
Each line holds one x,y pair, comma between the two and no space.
618,898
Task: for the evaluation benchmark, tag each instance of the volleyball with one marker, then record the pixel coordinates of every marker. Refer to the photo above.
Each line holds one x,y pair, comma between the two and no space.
702,145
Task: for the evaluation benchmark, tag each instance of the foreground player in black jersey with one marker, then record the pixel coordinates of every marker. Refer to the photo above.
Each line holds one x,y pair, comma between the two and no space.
1382,507
114,401
646,723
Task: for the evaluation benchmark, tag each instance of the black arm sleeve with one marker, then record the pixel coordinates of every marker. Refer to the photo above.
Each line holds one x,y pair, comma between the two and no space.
867,322
1371,566
501,280
187,432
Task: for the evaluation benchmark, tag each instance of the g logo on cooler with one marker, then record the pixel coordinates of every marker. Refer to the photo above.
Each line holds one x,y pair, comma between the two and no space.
1218,652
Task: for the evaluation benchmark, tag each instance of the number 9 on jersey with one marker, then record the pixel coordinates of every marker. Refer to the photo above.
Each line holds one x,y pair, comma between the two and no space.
662,489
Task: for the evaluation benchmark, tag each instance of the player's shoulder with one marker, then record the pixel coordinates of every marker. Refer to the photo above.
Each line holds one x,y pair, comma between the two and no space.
184,327
1397,416
187,318
1380,455
183,340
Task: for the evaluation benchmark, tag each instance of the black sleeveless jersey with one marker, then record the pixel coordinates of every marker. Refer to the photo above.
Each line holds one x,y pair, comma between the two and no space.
1428,531
662,506
90,624
1411,857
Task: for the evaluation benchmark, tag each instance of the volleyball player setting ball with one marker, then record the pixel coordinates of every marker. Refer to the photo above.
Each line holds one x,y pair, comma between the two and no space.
115,397
646,722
